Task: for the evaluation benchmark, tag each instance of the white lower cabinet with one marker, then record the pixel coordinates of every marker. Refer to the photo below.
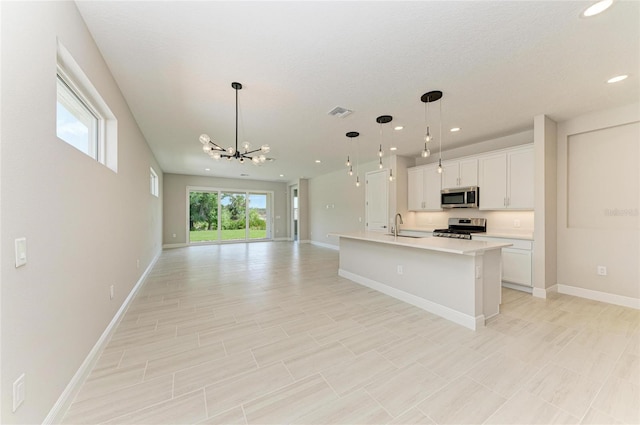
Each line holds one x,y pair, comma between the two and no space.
516,260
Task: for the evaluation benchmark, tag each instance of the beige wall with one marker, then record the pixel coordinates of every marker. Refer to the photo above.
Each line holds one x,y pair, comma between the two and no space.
86,226
175,202
337,205
598,195
545,200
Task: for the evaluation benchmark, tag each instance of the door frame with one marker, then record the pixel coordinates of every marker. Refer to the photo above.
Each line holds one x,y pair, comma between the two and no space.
219,190
386,182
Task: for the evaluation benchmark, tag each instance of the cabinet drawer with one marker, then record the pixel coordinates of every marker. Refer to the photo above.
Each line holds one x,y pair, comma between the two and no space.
516,243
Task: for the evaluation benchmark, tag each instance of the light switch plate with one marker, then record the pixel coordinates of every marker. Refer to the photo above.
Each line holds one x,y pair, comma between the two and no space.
18,392
21,252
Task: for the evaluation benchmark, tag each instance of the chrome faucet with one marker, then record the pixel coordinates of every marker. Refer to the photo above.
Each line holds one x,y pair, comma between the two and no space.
396,224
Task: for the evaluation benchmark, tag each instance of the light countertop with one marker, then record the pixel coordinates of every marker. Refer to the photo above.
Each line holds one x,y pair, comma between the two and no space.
454,246
498,233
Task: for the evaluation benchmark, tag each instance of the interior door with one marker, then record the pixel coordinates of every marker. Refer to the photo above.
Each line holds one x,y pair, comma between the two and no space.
377,200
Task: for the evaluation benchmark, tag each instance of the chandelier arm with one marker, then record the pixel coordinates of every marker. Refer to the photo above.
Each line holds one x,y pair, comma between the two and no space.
253,151
218,147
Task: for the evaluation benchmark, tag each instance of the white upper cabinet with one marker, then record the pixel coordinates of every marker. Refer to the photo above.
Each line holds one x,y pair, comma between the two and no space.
461,173
506,180
415,189
520,179
424,188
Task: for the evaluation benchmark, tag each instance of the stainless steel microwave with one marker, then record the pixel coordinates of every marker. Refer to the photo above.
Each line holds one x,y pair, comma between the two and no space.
460,197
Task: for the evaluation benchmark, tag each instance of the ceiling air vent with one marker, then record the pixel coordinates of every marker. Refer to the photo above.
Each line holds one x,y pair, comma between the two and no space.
340,112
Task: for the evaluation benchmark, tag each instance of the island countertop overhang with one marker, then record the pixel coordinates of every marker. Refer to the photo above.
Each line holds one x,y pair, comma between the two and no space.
453,246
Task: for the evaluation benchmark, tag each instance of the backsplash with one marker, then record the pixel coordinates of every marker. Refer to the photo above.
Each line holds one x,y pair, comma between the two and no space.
497,221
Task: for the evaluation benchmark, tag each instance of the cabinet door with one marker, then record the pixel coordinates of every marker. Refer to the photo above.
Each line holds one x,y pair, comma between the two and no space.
415,189
450,175
468,173
493,182
520,188
516,266
432,181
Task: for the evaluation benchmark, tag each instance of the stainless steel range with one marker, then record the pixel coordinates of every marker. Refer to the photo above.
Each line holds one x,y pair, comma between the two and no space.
462,228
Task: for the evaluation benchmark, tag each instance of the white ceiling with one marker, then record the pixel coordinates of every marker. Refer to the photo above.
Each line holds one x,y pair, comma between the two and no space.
498,63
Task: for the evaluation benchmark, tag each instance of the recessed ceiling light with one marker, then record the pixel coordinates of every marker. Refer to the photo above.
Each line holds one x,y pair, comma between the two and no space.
398,127
318,161
597,8
617,78
393,148
281,175
207,169
454,129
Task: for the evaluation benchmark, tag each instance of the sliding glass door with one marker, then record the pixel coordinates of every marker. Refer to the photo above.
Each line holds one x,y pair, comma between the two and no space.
203,216
216,216
233,216
258,217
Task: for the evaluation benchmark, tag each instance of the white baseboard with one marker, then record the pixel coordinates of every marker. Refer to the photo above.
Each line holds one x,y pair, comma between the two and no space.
326,245
605,297
517,287
73,387
465,320
174,245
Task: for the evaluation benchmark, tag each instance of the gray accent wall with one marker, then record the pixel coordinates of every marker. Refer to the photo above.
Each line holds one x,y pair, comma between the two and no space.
87,227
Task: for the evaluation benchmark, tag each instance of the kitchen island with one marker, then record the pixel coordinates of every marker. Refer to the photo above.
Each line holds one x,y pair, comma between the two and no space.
459,280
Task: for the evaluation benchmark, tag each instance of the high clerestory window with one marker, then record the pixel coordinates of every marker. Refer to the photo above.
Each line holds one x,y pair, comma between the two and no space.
83,118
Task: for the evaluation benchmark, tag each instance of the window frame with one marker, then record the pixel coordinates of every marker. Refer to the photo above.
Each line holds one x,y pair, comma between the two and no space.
153,183
71,75
77,104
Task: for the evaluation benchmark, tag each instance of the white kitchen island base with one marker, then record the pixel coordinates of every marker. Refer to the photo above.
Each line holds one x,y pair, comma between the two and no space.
457,280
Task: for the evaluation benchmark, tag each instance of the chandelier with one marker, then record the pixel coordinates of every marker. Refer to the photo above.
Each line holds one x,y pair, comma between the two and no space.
216,151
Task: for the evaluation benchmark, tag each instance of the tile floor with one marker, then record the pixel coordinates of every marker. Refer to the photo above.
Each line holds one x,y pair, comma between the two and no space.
267,333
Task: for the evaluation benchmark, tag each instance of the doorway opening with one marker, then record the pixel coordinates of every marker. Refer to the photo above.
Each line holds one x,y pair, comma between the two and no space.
294,213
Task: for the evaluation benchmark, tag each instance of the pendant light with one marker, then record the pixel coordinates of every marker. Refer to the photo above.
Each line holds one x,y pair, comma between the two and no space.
384,119
427,98
351,135
440,154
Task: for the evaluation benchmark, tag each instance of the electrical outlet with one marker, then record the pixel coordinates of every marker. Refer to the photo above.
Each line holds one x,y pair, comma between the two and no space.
516,223
138,264
112,292
400,269
174,235
18,392
602,270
